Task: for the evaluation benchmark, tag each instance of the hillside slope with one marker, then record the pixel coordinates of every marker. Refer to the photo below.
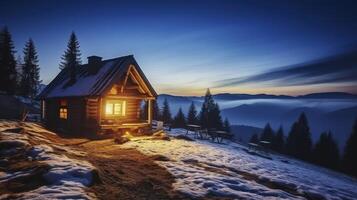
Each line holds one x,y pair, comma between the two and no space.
205,169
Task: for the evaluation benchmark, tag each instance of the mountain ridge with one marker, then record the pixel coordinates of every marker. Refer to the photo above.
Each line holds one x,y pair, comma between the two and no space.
242,96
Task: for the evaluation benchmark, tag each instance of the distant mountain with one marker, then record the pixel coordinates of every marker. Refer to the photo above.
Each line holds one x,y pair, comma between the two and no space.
328,95
257,114
229,96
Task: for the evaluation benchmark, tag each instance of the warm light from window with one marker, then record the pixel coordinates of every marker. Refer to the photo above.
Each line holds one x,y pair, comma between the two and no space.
115,108
63,113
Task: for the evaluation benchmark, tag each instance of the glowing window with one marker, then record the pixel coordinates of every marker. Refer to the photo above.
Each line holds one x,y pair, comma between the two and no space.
115,108
63,113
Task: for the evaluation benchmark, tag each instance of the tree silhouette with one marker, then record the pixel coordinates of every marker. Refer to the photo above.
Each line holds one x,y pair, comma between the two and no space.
156,111
226,125
179,120
72,57
166,113
278,141
210,114
215,118
350,153
254,139
192,114
30,77
298,143
326,151
8,74
267,134
206,110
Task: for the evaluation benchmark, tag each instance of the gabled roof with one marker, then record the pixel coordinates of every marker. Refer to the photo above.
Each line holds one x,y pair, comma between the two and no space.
93,82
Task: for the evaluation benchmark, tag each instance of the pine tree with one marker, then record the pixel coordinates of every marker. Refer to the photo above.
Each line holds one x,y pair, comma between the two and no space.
207,107
254,139
326,151
226,125
350,152
215,118
166,113
210,114
278,141
267,134
179,120
72,57
156,111
192,114
299,142
8,74
30,79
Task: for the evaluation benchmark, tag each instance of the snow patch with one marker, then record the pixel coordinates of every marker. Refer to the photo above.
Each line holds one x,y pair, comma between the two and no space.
67,177
227,170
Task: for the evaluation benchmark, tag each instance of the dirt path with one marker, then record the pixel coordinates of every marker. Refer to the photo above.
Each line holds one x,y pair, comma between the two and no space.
127,173
121,173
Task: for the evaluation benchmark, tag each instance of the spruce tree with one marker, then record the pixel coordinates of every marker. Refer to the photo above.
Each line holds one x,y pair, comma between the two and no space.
226,125
278,141
267,134
179,120
166,113
30,78
72,57
215,118
156,111
298,143
8,74
210,114
326,152
192,114
350,153
254,139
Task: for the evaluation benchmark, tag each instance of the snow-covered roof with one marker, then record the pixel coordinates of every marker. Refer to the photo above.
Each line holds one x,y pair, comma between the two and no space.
92,80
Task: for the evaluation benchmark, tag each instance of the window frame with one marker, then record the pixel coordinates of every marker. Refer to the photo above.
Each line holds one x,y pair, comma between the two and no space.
115,111
63,109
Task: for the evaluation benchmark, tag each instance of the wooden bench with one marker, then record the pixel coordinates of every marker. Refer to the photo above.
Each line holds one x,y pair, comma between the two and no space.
195,129
219,135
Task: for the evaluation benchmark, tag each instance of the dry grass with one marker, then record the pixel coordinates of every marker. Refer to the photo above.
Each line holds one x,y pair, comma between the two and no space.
128,174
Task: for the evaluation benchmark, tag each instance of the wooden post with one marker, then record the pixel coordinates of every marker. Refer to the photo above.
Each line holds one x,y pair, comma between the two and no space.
149,111
43,110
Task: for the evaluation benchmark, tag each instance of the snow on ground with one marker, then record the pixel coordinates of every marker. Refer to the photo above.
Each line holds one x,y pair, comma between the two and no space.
66,177
228,170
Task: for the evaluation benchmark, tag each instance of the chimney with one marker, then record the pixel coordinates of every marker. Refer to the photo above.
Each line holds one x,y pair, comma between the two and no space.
94,64
94,60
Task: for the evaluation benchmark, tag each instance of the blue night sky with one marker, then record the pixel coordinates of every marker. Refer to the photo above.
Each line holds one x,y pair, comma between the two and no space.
279,47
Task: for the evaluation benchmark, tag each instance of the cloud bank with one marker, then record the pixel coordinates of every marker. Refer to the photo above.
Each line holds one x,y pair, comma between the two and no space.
341,68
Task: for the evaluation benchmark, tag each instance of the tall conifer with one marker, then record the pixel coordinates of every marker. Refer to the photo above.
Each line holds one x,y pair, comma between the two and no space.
8,74
326,151
299,141
179,120
166,113
192,114
278,141
72,57
30,77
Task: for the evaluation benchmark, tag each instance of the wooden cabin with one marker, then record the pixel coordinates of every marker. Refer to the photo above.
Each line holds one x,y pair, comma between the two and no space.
105,95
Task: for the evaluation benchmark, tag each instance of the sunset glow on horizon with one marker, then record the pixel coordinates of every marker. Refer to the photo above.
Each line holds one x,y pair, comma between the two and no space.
277,47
